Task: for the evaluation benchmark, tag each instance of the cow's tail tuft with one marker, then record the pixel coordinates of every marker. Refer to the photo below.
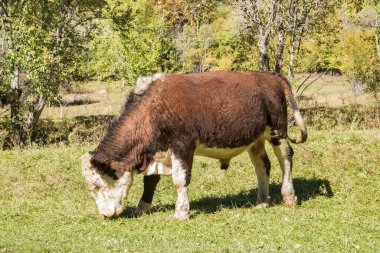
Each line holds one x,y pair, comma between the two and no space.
297,115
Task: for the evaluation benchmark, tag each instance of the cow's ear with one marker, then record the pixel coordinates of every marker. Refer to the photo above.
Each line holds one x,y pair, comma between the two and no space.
119,168
120,173
99,162
111,170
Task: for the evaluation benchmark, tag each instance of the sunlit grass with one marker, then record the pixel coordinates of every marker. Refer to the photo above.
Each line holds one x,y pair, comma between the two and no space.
46,207
330,90
104,98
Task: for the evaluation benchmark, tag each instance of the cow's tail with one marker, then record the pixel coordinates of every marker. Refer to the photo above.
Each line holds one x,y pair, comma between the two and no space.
297,115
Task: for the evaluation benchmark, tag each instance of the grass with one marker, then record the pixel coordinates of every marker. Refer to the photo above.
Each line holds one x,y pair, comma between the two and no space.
330,90
45,205
104,98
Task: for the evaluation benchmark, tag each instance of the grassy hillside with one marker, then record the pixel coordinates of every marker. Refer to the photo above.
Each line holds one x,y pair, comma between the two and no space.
45,205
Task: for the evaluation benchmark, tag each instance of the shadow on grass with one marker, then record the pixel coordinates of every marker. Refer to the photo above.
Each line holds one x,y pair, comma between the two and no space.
306,189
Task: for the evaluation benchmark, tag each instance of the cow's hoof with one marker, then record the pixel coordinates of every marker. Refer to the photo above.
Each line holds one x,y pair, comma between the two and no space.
261,205
181,216
138,212
290,200
142,208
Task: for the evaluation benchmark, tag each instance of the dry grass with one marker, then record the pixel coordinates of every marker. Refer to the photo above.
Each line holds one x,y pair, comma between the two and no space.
104,99
328,90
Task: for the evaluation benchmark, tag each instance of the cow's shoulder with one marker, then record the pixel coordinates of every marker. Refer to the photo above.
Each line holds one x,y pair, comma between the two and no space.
144,82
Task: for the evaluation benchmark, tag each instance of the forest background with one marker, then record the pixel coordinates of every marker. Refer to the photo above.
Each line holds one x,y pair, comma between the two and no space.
47,48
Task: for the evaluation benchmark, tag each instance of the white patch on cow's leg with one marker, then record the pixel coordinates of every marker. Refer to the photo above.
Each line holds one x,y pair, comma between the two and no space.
179,179
142,208
284,153
261,163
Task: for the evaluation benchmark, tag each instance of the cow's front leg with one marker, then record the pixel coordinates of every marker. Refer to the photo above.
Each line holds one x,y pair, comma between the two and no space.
150,184
284,153
181,174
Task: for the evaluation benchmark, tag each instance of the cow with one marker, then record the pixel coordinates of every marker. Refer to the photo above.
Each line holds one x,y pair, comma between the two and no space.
169,118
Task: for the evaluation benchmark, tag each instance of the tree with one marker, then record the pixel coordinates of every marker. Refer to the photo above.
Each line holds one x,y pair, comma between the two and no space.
42,53
369,17
293,19
260,16
280,26
147,44
190,26
305,16
361,59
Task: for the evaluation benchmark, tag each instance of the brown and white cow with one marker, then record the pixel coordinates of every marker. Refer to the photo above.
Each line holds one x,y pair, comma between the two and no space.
170,118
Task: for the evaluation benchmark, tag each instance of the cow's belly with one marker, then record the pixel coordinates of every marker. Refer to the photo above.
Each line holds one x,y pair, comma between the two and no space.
219,153
228,153
161,164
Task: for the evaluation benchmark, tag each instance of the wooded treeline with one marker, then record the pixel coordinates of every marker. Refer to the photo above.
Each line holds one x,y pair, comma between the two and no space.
46,46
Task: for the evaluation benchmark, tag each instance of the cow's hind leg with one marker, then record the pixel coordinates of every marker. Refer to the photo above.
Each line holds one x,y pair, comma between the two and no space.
261,162
150,183
284,153
181,174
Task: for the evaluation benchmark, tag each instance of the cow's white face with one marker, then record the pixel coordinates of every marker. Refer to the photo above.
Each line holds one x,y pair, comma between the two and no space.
109,194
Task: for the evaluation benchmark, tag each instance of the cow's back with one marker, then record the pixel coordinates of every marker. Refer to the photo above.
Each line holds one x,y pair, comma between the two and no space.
220,109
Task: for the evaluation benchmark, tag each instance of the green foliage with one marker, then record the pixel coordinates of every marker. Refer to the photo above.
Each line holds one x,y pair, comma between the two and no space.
107,54
217,43
140,39
360,60
134,42
43,52
49,45
322,50
48,52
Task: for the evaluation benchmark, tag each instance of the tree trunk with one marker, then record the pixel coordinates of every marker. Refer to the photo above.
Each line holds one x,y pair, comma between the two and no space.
61,106
23,123
15,94
377,44
14,131
200,56
291,60
293,29
264,58
280,50
2,39
33,117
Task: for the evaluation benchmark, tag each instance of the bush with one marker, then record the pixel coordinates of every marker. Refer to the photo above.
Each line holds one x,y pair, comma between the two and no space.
360,60
368,81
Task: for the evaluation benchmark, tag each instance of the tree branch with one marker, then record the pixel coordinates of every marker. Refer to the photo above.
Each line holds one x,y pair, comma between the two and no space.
4,5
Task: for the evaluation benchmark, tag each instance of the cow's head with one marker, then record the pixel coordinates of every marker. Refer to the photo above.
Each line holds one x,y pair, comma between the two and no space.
109,194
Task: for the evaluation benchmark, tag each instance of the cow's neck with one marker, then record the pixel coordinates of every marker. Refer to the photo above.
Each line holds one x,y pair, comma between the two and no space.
124,144
127,134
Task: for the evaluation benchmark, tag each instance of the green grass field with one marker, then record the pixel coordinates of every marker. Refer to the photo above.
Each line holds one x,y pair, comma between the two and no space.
45,205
